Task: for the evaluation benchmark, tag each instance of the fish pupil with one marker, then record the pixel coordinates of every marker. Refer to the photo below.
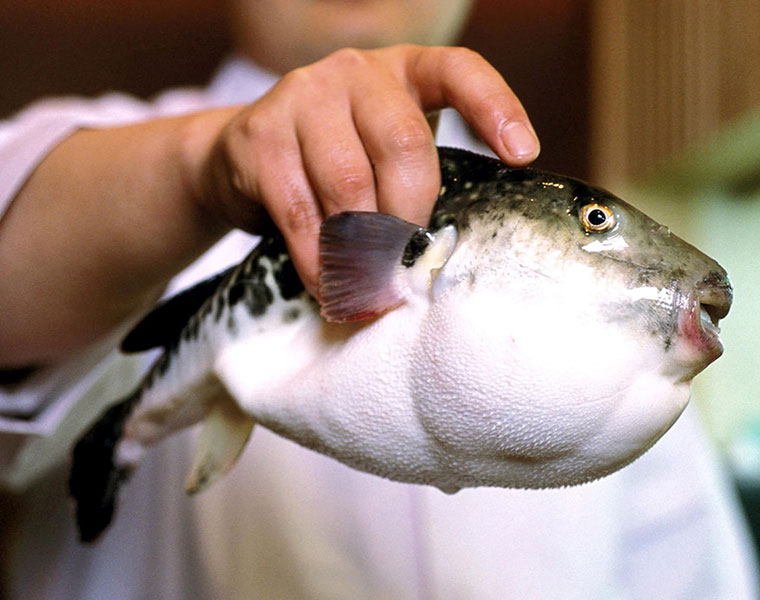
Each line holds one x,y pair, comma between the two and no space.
596,217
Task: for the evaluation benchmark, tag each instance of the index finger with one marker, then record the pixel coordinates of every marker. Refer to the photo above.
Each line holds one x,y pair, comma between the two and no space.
464,80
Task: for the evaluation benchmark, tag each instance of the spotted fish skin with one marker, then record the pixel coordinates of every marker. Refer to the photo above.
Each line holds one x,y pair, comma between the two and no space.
512,343
190,328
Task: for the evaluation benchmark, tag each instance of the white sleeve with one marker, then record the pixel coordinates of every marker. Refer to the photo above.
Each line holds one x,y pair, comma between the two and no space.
27,137
683,533
38,416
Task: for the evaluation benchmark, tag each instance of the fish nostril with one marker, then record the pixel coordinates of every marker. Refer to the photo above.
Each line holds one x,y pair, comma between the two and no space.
662,230
715,279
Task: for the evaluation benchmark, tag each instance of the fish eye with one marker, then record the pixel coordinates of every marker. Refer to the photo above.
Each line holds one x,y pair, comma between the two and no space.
597,218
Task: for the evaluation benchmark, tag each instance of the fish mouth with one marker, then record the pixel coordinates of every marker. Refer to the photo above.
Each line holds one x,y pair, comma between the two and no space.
699,323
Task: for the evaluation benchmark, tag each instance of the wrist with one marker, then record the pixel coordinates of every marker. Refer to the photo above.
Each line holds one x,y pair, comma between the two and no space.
202,177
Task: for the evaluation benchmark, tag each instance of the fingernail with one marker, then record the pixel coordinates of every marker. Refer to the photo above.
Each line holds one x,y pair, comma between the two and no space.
520,140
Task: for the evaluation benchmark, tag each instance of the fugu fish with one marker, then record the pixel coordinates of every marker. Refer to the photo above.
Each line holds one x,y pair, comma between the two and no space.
540,332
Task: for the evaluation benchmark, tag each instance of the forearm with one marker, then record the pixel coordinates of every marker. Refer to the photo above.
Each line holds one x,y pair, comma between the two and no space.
106,219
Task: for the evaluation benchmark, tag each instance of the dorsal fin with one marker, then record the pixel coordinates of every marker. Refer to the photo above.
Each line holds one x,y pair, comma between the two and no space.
161,326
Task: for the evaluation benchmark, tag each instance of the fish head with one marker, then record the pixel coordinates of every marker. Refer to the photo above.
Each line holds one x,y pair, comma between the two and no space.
565,329
668,290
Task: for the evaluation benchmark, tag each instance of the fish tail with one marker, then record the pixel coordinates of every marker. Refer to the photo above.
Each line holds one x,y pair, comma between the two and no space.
95,476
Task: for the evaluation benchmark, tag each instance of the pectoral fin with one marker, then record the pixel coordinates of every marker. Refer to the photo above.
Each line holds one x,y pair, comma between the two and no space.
226,430
372,262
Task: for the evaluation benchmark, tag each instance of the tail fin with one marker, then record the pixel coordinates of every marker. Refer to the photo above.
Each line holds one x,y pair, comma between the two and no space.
95,478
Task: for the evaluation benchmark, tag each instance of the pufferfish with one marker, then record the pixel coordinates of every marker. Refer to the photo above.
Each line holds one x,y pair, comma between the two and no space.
540,332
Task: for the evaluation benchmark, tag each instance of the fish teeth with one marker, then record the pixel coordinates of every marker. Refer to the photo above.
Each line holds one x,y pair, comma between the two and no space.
706,320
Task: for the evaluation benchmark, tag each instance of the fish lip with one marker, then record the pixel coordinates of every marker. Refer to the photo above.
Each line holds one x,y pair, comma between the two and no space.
698,323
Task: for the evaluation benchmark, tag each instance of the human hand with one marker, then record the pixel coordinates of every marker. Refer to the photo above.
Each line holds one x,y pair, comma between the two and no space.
349,133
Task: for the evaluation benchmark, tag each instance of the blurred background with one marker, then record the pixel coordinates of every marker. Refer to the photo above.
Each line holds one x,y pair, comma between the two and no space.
658,100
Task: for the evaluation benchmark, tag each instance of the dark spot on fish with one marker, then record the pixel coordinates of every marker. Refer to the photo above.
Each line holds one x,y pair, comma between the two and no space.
190,330
666,334
236,292
291,315
644,276
442,219
415,247
258,297
219,304
716,279
287,279
232,324
254,269
206,310
160,367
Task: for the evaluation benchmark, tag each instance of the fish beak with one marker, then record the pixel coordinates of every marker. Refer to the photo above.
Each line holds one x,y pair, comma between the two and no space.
715,295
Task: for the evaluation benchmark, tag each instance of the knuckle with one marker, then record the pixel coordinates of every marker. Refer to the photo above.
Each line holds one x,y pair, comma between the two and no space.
227,169
295,80
349,182
403,50
348,58
323,73
239,179
240,151
253,127
459,54
459,60
300,215
408,137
